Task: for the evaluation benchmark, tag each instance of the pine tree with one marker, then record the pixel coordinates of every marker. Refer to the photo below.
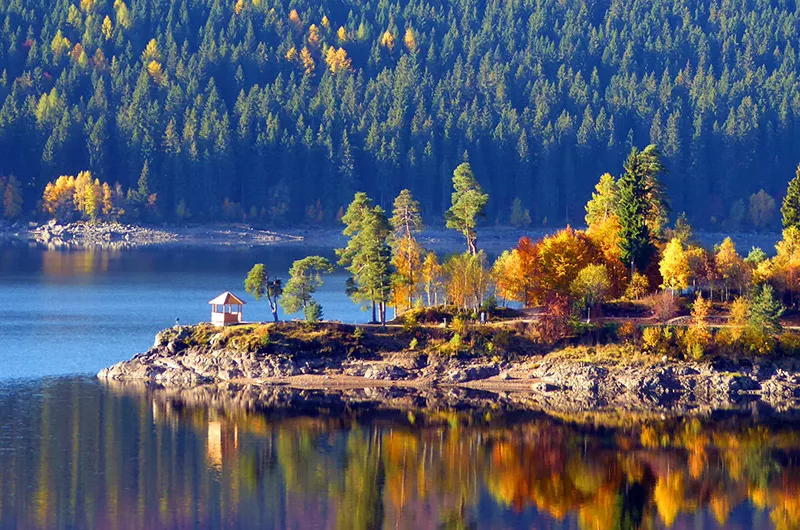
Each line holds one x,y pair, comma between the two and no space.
259,284
305,277
790,209
406,252
468,203
367,255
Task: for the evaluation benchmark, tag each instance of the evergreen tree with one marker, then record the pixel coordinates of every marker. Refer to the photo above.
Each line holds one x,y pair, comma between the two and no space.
765,310
635,244
305,277
468,203
406,252
367,256
406,218
790,209
259,284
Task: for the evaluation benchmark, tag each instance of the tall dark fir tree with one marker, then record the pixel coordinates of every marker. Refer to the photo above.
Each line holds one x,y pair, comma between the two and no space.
790,209
633,208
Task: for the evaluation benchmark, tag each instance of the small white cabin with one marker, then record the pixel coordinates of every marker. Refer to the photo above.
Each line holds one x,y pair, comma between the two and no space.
226,309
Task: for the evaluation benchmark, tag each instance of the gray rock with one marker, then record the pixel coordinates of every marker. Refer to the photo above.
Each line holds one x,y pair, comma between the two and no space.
385,372
472,373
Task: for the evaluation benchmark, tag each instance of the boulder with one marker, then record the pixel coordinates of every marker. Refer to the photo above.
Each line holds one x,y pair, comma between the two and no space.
386,372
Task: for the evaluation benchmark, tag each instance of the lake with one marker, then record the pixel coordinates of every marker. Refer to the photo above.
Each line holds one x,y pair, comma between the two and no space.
77,453
80,311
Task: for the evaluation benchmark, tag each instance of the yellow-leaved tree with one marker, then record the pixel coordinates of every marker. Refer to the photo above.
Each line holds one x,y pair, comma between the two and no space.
107,28
151,52
591,286
123,14
294,18
467,279
785,266
431,278
731,267
313,36
410,40
157,73
341,34
674,266
698,336
57,197
337,60
307,61
387,40
88,196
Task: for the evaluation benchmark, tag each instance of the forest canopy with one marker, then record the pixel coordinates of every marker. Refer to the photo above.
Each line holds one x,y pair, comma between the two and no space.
276,112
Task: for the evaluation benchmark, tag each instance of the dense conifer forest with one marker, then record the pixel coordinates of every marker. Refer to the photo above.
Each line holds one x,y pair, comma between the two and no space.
279,111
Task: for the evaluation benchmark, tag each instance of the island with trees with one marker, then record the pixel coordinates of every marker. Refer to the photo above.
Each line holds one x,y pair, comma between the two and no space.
630,312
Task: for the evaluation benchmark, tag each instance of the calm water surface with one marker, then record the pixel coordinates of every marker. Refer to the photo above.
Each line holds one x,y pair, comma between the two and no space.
75,453
80,311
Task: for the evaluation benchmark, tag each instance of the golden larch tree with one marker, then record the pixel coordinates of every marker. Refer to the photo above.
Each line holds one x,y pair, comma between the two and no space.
57,197
410,40
307,61
337,60
107,28
387,40
313,36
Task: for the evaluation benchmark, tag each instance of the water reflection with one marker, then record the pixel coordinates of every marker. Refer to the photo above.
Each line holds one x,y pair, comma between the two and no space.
76,454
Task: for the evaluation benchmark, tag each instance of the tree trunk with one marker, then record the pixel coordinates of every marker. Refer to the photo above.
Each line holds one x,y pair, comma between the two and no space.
374,318
274,308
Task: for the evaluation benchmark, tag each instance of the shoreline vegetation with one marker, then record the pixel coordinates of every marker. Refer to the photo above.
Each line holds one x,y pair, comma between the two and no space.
505,360
630,314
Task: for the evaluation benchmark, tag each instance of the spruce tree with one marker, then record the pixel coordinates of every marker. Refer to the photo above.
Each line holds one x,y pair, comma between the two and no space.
635,245
790,209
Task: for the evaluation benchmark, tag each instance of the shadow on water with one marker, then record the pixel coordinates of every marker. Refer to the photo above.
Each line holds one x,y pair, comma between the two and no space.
77,453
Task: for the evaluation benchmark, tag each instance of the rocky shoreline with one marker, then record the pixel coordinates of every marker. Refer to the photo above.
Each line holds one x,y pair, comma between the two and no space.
113,235
549,382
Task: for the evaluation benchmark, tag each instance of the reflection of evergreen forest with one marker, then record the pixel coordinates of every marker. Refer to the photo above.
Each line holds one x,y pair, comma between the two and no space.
263,110
75,455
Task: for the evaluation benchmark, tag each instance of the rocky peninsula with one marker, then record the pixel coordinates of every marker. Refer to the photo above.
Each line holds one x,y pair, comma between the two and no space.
418,363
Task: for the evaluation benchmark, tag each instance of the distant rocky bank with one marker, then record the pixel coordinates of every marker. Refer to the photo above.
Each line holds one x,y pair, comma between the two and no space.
113,235
339,356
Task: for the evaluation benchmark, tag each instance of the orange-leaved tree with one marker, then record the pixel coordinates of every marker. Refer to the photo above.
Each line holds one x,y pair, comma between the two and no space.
513,272
560,258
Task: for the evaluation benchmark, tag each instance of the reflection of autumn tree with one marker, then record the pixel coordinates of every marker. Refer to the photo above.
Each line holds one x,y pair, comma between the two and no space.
302,460
142,461
359,498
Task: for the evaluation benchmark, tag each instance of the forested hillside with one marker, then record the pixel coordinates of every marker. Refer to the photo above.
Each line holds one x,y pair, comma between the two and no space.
280,111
